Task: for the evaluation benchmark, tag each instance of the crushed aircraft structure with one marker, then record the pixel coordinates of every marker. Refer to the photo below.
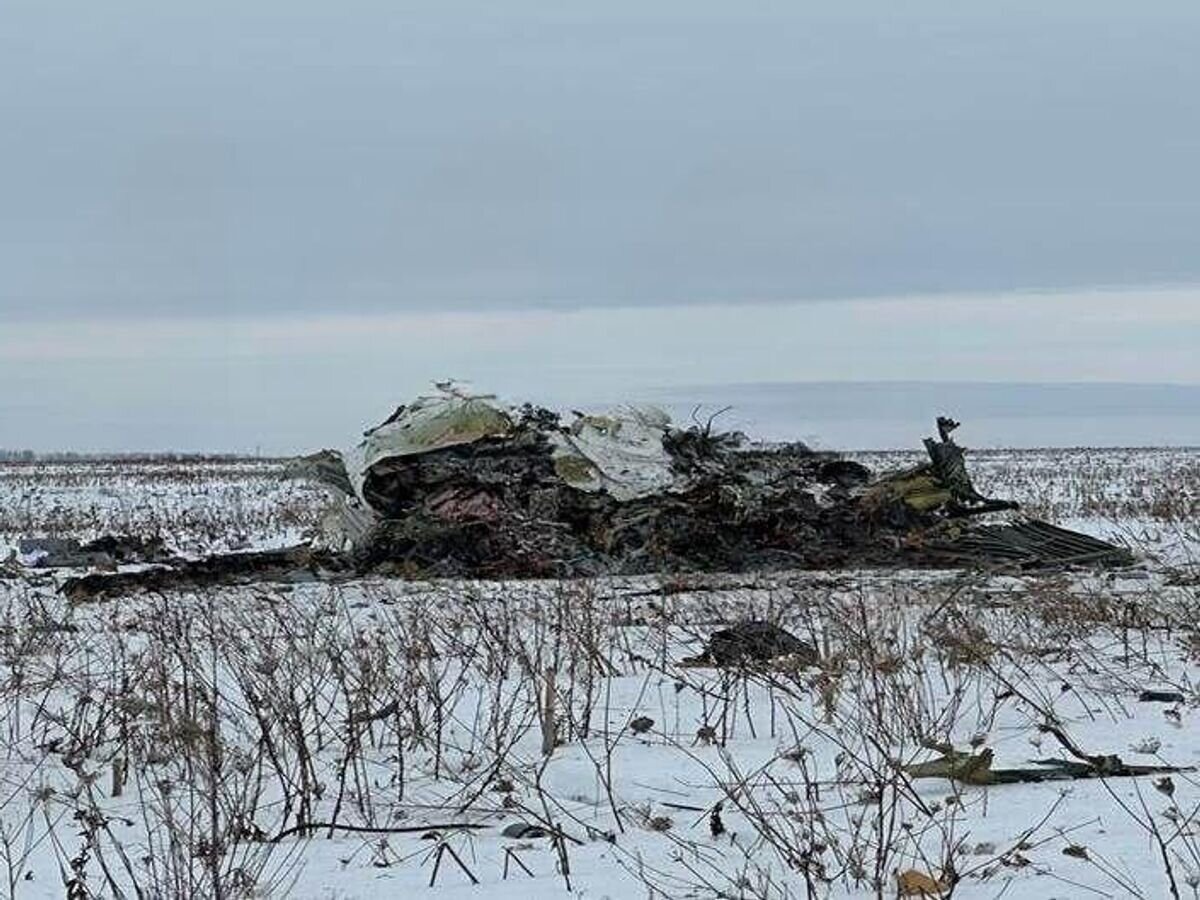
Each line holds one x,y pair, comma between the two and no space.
461,485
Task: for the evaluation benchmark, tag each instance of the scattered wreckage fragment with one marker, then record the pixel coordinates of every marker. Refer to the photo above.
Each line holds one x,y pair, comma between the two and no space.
290,566
976,768
106,552
752,644
1154,696
941,486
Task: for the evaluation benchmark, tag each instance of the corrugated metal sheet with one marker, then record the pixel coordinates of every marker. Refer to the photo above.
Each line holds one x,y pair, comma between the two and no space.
1033,544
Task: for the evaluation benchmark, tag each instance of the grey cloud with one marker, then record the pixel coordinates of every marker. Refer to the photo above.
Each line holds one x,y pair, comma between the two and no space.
171,158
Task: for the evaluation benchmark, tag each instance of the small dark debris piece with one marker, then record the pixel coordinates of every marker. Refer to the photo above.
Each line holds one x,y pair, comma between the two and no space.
749,643
660,823
641,724
523,830
715,826
1160,697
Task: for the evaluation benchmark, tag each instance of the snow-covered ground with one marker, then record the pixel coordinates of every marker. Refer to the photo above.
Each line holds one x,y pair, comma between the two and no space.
171,745
196,506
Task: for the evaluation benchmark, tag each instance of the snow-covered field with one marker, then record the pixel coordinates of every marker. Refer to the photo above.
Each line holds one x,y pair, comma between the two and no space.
367,739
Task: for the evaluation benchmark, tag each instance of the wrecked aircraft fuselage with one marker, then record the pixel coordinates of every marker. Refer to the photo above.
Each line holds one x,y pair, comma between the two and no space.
455,485
462,485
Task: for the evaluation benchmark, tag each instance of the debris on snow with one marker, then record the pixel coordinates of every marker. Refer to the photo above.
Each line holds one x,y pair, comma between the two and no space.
976,768
1150,696
753,643
460,485
105,552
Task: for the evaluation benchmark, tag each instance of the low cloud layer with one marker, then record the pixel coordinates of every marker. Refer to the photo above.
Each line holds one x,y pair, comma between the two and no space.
285,383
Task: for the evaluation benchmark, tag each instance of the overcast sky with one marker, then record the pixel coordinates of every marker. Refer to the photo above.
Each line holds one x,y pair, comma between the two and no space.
182,183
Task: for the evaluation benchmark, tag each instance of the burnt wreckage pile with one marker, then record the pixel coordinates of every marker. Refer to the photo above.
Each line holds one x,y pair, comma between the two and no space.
456,485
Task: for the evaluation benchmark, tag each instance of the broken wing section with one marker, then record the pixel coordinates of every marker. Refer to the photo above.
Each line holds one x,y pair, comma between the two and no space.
1031,544
938,505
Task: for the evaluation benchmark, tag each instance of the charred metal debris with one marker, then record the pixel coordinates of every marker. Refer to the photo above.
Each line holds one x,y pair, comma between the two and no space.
460,485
